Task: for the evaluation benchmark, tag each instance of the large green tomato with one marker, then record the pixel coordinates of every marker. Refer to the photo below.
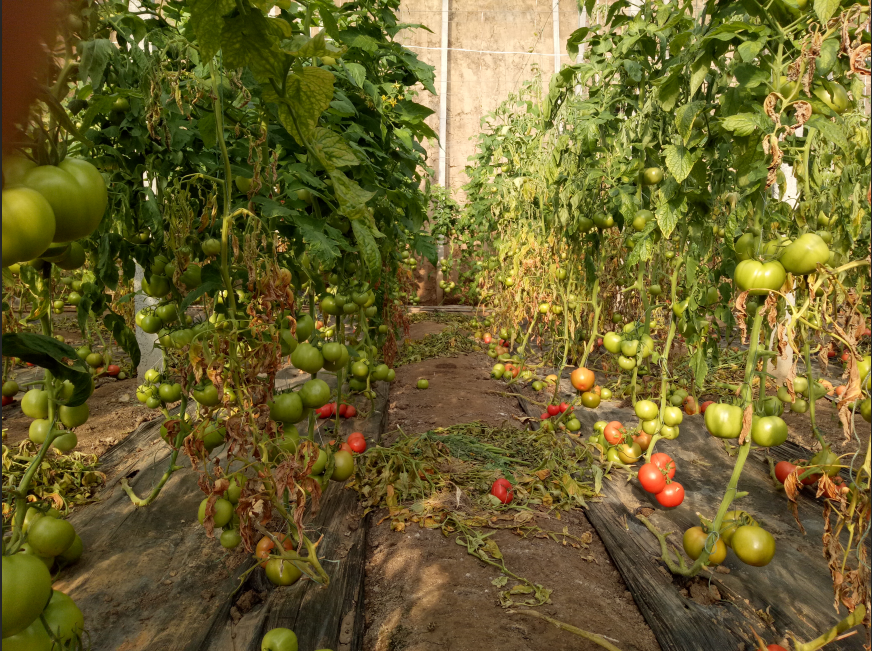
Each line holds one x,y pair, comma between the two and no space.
281,572
74,416
28,225
672,416
93,191
724,421
343,466
315,393
286,408
67,200
652,175
802,256
73,258
833,94
768,431
328,305
34,404
64,617
156,286
50,536
279,639
758,277
646,410
746,246
307,358
26,591
753,545
207,395
305,327
612,342
223,511
340,363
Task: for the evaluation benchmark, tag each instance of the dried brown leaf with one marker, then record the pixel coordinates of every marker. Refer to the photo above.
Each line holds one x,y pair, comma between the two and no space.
747,418
860,55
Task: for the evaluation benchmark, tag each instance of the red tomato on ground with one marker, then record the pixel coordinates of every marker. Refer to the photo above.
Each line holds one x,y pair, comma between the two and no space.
351,411
562,407
113,369
502,481
705,406
342,410
357,444
652,478
553,410
545,416
503,494
8,400
671,496
614,432
664,462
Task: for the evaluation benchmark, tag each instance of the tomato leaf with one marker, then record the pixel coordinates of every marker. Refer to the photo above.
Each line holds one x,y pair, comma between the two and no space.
95,57
669,212
684,117
679,161
575,39
352,198
825,9
123,335
332,150
829,130
207,23
50,354
698,71
367,245
743,124
309,92
356,72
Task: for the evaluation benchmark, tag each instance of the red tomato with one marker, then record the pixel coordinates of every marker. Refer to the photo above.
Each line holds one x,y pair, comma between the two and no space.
113,369
345,446
357,444
783,469
671,496
487,338
845,356
265,546
599,341
811,479
775,647
8,400
614,432
342,410
831,353
644,440
562,407
705,406
652,478
582,379
504,482
553,410
545,416
351,412
664,462
503,494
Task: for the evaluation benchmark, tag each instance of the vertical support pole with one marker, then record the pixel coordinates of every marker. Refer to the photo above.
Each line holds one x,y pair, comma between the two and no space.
582,22
443,131
555,20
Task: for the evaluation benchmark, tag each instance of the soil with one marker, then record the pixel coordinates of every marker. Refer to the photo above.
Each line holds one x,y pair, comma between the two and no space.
418,331
422,589
460,391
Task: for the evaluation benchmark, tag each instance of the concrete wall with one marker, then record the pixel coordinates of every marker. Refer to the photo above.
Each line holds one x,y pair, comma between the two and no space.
493,48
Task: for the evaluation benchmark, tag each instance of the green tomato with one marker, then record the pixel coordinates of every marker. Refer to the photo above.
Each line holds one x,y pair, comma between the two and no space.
34,404
279,639
646,410
772,406
723,420
286,408
746,246
759,278
651,427
629,347
612,342
63,617
315,393
672,416
768,431
28,225
206,395
799,406
230,539
74,416
668,432
223,511
307,358
626,363
802,256
50,536
652,175
833,94
423,384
